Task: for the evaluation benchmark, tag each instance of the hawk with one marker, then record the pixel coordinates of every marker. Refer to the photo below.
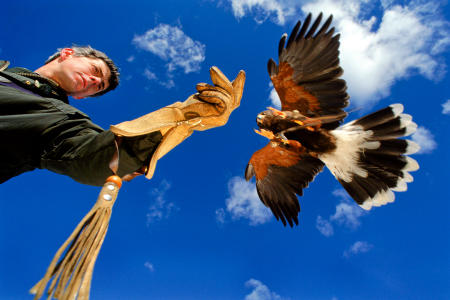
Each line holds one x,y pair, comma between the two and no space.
367,156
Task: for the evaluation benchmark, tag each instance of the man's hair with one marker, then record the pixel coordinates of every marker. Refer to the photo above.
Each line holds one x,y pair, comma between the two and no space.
88,51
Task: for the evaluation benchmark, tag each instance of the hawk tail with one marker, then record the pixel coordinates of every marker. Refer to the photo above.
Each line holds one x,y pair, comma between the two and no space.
370,159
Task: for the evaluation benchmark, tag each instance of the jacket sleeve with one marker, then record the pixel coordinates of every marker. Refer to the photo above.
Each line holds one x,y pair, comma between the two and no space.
82,150
47,133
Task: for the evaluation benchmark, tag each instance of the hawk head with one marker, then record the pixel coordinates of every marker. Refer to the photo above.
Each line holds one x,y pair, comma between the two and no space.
275,120
266,120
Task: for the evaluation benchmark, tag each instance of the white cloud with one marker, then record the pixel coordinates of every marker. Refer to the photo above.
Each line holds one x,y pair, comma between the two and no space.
324,226
386,3
149,74
347,214
278,11
260,291
149,266
375,53
274,98
446,108
358,247
244,202
425,139
160,207
131,58
171,44
168,83
220,215
403,44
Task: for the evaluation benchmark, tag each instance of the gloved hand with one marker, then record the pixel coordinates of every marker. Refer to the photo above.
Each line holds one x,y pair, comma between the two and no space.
213,104
210,107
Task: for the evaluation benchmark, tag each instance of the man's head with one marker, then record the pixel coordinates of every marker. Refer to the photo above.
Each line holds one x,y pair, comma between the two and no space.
81,71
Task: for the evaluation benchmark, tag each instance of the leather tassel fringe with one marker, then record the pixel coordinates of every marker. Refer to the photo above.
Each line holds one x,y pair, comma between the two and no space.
71,275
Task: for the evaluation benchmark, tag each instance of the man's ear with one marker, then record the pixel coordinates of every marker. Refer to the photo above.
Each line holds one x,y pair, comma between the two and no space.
66,52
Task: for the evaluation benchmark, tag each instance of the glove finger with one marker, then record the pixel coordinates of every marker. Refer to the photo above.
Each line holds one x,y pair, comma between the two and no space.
216,94
213,97
218,103
207,87
220,80
238,87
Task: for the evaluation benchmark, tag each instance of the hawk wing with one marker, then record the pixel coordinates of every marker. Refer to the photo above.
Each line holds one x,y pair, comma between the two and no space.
281,172
307,78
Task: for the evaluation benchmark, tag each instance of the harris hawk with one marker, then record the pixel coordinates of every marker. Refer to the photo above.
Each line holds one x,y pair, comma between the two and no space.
367,156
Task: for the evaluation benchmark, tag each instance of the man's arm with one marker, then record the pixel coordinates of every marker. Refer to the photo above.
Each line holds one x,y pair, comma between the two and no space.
47,133
39,132
82,152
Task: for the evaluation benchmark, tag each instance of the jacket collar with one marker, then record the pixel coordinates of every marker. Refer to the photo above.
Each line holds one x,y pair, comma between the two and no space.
34,82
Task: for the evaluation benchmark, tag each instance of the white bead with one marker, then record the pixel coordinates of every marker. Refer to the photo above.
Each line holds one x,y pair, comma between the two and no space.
110,187
107,197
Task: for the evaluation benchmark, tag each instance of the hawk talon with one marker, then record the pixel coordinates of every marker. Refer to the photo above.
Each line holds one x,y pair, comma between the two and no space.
265,133
282,136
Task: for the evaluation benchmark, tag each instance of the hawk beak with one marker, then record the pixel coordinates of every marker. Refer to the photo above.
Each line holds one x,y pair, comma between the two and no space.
277,112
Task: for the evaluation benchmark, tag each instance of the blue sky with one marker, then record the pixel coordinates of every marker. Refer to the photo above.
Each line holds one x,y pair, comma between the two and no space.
197,230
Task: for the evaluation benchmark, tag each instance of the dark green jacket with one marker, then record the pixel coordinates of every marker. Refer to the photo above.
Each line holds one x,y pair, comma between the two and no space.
39,129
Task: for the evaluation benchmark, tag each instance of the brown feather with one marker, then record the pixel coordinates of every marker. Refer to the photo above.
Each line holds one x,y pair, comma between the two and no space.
281,172
307,78
270,155
293,96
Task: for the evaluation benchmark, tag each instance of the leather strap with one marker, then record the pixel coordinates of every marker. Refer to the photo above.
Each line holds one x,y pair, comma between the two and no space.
114,163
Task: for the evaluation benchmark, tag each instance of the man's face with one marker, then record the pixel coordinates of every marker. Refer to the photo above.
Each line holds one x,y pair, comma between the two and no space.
81,76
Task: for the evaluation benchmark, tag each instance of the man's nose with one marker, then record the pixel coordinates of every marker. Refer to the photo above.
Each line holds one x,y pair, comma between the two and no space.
95,80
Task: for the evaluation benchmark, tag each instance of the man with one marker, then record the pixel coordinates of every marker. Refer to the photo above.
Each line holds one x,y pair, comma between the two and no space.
39,129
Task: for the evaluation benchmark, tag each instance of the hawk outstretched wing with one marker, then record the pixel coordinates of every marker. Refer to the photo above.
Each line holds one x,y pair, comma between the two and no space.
307,78
281,172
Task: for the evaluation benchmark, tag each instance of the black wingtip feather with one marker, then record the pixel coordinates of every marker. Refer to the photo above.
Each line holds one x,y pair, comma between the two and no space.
271,67
314,26
325,26
293,35
304,27
331,32
281,43
280,215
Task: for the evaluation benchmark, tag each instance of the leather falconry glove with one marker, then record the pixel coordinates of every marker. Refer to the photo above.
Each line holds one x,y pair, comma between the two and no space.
210,107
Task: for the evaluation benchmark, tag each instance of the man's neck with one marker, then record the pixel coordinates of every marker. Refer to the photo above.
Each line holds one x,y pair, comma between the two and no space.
48,72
